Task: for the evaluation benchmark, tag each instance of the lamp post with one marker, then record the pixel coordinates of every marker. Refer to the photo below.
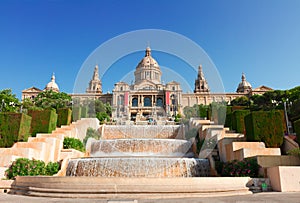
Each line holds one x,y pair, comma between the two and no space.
286,117
172,104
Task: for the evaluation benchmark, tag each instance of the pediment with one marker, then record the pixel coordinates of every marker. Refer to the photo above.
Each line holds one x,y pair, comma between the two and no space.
262,88
32,89
173,83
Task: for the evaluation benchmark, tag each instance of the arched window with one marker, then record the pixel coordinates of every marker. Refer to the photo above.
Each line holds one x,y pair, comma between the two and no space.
134,102
147,101
173,99
159,102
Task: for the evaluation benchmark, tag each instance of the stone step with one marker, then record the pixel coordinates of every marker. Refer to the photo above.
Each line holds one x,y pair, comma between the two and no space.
251,152
44,149
129,188
54,135
6,160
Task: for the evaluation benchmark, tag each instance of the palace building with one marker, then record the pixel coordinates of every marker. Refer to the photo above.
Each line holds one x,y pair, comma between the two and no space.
148,96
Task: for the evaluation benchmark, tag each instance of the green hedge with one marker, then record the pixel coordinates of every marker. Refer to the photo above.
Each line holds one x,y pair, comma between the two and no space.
43,121
228,120
297,129
203,111
84,112
235,108
265,126
64,116
283,120
14,127
238,123
76,113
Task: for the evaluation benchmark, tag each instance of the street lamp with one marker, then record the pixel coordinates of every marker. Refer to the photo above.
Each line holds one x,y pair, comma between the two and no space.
286,116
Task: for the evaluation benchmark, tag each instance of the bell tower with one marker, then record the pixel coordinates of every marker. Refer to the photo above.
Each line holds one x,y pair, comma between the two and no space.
95,85
201,83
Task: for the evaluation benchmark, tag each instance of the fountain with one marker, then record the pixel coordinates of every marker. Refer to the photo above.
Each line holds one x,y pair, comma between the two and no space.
134,162
140,157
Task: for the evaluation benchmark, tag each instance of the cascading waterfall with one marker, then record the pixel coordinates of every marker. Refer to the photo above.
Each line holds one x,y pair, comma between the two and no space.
137,156
141,147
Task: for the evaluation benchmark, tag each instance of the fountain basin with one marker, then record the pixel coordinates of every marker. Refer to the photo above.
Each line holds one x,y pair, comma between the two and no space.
141,147
158,167
128,188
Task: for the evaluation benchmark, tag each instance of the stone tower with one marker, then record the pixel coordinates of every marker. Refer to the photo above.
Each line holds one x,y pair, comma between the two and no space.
95,85
200,83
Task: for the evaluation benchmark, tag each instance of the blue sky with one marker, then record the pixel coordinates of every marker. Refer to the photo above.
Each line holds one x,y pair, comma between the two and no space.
259,38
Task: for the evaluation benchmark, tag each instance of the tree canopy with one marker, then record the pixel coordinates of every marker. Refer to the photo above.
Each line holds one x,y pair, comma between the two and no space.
51,99
8,101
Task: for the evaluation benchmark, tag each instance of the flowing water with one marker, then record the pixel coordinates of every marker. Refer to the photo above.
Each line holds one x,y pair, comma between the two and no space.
144,152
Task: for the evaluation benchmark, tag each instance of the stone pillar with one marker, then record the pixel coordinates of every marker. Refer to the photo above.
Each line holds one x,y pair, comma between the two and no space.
152,100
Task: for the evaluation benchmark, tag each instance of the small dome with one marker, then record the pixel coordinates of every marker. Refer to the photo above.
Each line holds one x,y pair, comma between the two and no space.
52,85
244,86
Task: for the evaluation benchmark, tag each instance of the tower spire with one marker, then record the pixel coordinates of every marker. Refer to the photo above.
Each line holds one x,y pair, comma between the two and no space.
200,83
95,85
96,74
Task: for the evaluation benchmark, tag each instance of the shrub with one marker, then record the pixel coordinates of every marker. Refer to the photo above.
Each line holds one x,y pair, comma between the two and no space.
247,167
43,121
26,167
238,123
102,117
64,116
265,126
14,127
297,129
52,168
203,111
73,143
91,133
294,152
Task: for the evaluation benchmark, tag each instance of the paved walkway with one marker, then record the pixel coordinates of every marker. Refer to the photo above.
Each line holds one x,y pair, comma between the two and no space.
268,197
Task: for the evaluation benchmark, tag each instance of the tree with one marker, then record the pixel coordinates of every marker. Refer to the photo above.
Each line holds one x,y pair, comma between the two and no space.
190,112
51,99
28,104
8,101
257,102
240,101
99,109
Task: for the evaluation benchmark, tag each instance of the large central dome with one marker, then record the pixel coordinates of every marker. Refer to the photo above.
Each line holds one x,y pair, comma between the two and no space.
147,69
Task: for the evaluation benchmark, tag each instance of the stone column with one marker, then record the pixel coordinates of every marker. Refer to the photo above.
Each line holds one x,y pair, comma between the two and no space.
152,100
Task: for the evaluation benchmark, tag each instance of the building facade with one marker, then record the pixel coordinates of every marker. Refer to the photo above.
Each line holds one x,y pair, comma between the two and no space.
32,92
148,96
